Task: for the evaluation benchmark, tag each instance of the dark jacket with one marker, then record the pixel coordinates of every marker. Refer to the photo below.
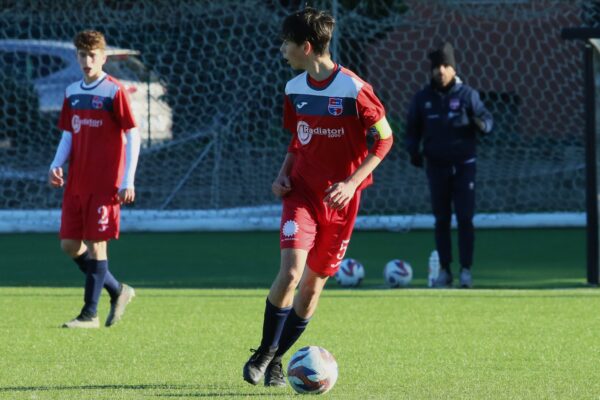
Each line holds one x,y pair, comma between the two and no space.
444,123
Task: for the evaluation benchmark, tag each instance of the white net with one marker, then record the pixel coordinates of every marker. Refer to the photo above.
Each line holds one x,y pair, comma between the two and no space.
208,88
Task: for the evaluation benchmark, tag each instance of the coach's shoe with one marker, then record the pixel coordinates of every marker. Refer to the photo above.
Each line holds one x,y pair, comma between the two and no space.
444,279
83,321
466,280
117,306
255,367
274,373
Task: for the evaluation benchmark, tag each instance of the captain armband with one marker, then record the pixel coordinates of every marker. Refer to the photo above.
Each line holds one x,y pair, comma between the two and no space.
383,138
381,129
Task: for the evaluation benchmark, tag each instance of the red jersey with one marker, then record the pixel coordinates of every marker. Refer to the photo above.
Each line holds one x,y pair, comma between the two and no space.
96,116
329,124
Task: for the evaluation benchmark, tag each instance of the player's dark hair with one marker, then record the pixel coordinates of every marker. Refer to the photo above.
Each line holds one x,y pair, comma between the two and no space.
309,25
89,40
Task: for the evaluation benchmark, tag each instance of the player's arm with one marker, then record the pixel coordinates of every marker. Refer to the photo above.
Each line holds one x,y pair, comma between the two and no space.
132,153
482,118
282,184
55,175
122,113
339,194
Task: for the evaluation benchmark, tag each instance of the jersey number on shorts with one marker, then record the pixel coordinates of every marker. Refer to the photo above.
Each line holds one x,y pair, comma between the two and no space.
341,253
103,221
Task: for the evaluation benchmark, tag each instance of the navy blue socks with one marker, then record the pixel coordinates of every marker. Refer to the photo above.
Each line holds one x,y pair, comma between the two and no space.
94,281
273,325
112,286
292,329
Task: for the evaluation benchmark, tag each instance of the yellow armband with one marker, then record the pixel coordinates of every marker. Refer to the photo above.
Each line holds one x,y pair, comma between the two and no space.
382,129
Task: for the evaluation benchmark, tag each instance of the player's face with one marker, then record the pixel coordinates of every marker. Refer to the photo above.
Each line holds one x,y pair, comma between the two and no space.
294,54
91,62
443,75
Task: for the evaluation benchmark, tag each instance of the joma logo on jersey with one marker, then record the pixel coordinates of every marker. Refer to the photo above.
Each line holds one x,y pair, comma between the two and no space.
335,106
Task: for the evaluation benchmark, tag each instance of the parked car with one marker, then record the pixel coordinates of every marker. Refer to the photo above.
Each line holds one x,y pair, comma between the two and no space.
52,65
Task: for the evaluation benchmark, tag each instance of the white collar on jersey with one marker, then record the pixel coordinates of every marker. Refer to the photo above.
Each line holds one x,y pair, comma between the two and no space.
91,84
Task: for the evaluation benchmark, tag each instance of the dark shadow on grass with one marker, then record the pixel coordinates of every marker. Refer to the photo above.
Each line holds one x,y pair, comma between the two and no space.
223,394
211,390
102,387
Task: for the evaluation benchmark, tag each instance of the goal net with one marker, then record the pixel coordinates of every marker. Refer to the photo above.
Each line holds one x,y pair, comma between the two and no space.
207,81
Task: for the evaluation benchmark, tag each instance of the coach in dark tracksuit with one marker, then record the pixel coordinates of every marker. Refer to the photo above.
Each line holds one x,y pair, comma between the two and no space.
444,120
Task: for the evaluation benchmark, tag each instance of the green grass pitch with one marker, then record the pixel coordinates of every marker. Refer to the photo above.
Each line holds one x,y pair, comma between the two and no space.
530,330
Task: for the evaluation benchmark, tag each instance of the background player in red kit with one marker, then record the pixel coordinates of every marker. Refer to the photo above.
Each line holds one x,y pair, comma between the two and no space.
329,111
94,118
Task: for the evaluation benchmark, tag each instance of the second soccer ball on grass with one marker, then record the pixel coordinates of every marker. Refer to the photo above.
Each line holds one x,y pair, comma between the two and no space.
397,273
350,273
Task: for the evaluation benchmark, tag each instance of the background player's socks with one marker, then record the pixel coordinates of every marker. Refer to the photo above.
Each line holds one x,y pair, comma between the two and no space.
274,321
293,328
112,286
81,261
94,281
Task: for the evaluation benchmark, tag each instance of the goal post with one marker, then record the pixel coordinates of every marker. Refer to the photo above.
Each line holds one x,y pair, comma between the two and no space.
591,69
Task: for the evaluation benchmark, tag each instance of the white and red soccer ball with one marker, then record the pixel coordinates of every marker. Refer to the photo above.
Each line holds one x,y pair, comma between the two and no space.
350,273
397,273
312,370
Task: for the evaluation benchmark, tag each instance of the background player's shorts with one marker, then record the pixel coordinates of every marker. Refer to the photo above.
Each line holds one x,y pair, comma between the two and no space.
323,232
90,217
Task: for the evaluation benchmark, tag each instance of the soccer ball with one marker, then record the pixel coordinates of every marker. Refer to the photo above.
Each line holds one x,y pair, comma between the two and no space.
350,273
397,273
312,370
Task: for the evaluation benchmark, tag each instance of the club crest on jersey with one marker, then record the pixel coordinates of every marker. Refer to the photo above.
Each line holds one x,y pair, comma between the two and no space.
97,102
454,103
335,106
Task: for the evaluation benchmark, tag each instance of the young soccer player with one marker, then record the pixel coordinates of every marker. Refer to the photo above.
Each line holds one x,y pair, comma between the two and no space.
329,112
102,145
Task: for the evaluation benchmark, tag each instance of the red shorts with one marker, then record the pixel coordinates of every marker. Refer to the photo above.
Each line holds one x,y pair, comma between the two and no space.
90,217
308,224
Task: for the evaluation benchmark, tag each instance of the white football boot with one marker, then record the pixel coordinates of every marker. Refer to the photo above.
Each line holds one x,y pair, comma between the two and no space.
83,322
117,307
466,279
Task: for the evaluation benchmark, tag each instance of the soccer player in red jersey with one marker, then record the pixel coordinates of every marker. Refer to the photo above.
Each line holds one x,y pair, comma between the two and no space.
101,143
329,111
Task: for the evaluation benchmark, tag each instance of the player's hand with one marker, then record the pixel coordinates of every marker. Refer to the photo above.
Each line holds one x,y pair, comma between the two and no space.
479,124
417,160
281,186
339,195
55,177
126,196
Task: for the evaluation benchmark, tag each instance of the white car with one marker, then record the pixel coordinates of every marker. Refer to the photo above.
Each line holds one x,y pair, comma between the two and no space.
52,65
